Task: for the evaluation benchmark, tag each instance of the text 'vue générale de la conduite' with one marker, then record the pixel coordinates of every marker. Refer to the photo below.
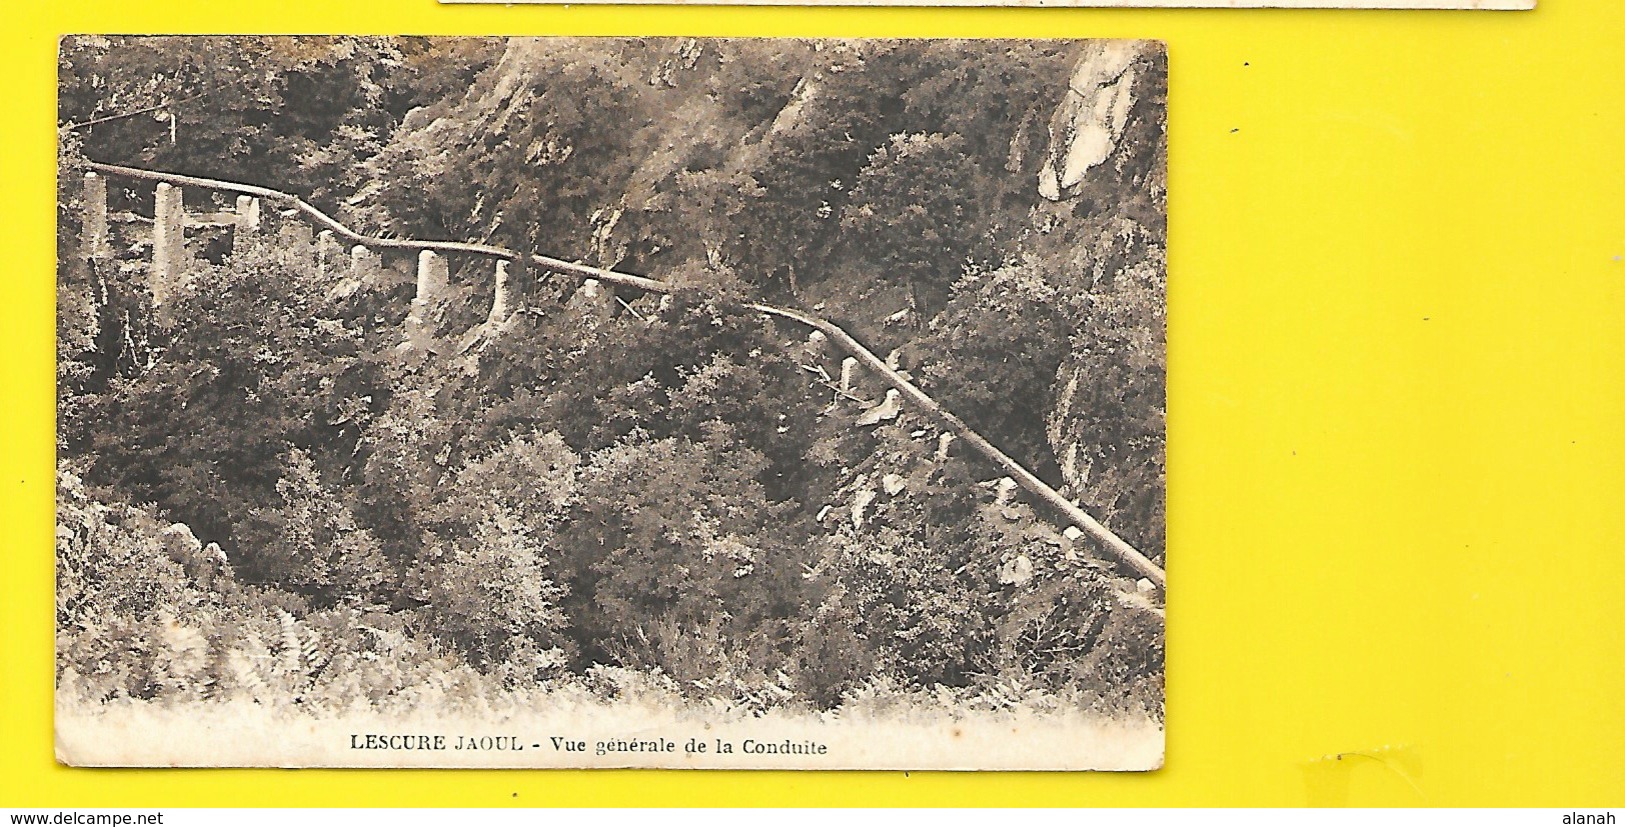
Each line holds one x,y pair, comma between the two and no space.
610,746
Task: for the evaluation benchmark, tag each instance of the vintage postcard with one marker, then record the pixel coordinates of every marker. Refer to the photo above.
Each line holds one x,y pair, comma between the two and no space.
665,402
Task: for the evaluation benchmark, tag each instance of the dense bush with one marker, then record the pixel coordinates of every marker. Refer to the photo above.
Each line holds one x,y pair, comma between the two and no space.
996,348
251,371
283,112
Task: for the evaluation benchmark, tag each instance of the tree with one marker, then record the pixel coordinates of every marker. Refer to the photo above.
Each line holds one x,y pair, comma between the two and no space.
992,356
674,533
311,544
250,371
912,217
298,113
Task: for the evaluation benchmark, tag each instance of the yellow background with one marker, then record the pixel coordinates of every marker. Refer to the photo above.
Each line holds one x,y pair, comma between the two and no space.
1397,410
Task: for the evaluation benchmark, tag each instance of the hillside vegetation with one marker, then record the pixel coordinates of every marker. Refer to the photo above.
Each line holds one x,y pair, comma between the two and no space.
267,497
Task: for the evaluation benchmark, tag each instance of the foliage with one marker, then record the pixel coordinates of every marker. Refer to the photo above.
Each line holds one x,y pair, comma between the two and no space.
110,560
678,373
911,216
676,534
996,348
254,373
287,112
311,540
575,153
1114,391
483,575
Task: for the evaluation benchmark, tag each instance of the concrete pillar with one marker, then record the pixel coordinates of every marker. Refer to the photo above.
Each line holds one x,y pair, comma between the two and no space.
816,349
595,301
295,231
1006,489
296,238
945,443
329,253
819,355
94,238
434,276
502,303
364,264
849,375
168,243
248,224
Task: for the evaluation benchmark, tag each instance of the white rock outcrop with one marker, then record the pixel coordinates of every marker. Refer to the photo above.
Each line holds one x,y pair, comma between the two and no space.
1090,120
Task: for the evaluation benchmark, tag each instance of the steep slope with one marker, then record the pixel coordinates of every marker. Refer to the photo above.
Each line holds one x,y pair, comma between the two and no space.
875,181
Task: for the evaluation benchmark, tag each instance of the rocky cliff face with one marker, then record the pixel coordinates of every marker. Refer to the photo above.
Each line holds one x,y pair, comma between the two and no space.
1105,183
1089,123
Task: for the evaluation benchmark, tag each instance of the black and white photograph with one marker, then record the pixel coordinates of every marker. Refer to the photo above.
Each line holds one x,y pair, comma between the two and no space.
605,402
